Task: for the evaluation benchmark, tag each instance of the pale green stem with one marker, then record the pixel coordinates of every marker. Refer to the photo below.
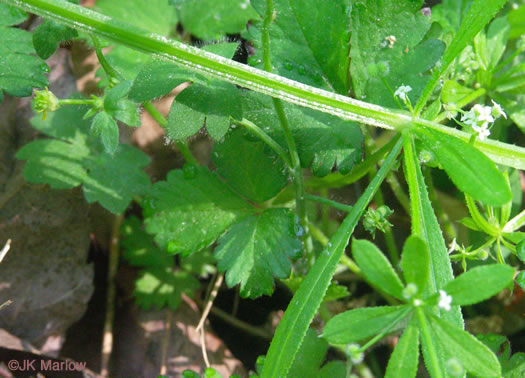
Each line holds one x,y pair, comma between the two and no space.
292,148
329,202
163,122
256,130
248,77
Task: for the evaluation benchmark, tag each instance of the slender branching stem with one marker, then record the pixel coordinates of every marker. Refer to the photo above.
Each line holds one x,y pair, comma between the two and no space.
163,122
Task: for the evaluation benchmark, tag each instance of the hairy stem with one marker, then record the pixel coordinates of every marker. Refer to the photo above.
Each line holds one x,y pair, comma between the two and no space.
256,130
297,173
248,77
163,122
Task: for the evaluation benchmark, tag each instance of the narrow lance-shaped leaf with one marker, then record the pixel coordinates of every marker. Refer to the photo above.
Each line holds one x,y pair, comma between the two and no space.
470,170
426,226
403,361
297,317
376,268
472,354
492,278
362,323
415,262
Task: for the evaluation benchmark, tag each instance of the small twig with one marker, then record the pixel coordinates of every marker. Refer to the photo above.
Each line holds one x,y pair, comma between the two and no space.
204,316
248,328
4,250
236,298
5,304
107,343
165,343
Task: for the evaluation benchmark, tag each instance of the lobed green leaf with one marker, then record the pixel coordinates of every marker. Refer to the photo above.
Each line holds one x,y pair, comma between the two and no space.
316,56
191,209
256,249
221,17
249,167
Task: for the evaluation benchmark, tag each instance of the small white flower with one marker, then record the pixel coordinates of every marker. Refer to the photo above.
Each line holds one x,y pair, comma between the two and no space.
483,113
469,117
391,39
444,300
453,246
417,302
497,110
402,91
483,131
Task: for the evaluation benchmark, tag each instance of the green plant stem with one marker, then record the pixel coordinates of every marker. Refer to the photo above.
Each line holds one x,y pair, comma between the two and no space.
329,202
337,180
306,301
110,71
433,364
74,101
248,77
393,251
163,122
398,191
256,130
323,239
296,170
350,264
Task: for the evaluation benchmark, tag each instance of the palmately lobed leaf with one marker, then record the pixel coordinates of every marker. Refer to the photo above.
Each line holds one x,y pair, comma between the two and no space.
115,179
54,162
257,249
10,15
48,35
387,49
323,141
309,41
158,77
155,16
75,158
191,209
20,69
221,17
249,166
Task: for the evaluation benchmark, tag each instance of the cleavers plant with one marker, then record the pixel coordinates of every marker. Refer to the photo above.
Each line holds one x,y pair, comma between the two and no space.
446,84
